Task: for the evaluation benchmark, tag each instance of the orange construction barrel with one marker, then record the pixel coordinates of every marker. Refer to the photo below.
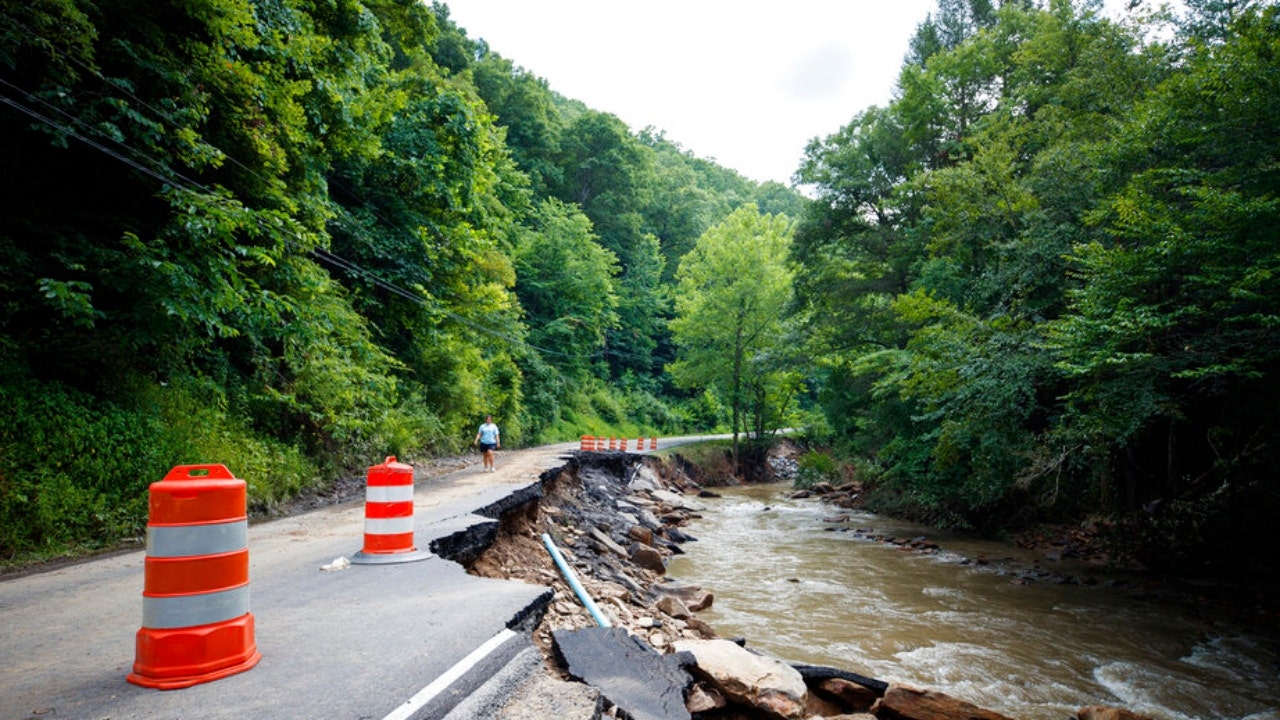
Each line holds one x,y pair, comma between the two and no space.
196,625
388,516
588,443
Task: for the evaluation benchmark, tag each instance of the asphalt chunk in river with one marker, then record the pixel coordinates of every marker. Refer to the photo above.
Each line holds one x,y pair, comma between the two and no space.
628,673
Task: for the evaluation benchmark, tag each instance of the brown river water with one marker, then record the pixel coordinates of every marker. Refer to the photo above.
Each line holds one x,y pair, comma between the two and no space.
797,590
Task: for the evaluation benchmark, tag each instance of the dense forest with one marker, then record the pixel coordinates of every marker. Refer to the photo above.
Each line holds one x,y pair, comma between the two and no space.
1043,281
293,237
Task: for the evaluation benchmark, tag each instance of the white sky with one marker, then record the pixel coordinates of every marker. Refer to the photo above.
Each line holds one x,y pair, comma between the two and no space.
744,83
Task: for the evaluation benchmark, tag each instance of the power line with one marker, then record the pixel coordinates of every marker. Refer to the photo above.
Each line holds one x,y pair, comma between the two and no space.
188,185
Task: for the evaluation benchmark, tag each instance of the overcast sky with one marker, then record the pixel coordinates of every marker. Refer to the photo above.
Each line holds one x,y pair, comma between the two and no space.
745,83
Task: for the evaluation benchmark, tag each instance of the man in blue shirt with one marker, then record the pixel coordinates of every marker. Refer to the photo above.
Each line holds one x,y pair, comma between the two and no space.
488,437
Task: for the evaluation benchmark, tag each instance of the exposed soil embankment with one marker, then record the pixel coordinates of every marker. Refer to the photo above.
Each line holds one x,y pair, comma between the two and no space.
617,518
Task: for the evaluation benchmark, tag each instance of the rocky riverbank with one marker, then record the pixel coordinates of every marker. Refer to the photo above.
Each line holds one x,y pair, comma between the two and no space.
617,518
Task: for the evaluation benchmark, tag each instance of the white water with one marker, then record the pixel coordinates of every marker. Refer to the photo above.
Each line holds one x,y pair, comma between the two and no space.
795,589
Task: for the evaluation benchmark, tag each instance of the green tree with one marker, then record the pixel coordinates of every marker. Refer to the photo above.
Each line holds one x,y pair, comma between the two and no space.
1171,342
733,292
565,282
937,252
609,173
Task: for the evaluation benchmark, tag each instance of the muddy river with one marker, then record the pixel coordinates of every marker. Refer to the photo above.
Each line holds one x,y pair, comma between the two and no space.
802,592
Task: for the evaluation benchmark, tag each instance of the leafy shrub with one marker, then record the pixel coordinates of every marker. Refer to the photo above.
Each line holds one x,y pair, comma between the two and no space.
607,407
73,471
816,467
701,413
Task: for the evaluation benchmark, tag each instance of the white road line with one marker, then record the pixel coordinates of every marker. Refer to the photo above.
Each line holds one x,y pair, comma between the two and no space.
440,684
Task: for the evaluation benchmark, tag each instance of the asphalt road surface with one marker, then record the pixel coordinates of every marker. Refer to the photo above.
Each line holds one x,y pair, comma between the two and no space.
393,641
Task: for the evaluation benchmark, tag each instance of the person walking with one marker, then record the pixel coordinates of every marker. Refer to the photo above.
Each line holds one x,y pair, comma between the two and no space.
488,437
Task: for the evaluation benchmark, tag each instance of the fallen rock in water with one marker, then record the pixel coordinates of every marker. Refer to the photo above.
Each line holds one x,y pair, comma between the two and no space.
745,678
585,503
673,606
903,702
694,597
627,672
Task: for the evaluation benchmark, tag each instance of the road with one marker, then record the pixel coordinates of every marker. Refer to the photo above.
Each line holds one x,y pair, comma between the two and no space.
355,643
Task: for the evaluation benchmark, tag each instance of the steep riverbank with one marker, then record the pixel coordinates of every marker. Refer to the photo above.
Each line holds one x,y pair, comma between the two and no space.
618,518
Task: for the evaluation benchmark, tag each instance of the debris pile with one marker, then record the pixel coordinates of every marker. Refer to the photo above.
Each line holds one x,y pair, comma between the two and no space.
617,518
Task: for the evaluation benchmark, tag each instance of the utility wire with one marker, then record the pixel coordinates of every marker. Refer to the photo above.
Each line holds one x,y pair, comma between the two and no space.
339,215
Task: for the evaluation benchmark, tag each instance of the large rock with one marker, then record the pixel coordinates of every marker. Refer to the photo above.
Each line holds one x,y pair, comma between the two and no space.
851,696
764,683
672,606
643,479
694,597
673,499
608,542
640,534
902,702
648,558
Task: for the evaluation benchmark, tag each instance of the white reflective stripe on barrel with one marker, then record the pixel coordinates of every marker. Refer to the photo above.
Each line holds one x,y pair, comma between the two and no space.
180,611
388,526
388,493
188,540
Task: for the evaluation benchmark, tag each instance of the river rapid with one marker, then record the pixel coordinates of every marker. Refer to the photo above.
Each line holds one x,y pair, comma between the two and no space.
796,589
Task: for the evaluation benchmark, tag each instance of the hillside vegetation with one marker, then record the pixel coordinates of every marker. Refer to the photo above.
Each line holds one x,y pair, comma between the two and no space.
1041,284
295,237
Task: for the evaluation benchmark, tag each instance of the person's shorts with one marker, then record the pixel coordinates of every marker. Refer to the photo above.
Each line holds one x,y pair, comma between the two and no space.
486,447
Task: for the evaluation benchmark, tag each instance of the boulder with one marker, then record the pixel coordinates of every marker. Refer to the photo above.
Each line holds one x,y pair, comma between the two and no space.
677,535
851,696
644,479
745,678
700,627
649,520
672,606
667,497
641,534
608,542
694,597
648,558
816,705
903,702
703,601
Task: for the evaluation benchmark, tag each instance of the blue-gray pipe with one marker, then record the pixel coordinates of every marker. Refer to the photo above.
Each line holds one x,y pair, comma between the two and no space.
567,572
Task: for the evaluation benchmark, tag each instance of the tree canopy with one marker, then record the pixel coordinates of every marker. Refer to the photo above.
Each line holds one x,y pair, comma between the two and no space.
1038,284
1040,280
290,237
733,291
